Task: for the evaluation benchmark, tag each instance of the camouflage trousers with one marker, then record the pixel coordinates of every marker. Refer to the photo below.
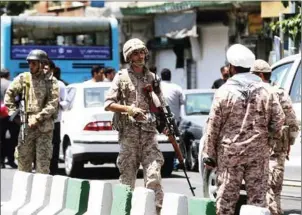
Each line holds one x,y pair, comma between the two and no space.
141,147
276,174
229,179
37,147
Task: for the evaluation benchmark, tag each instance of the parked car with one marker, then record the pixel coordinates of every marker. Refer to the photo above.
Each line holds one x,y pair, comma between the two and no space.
194,113
287,74
86,131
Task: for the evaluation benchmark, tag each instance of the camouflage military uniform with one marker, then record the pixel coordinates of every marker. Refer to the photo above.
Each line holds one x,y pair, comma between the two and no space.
242,116
42,104
138,143
279,152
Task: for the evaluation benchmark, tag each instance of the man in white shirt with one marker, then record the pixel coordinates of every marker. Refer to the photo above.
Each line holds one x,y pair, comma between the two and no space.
109,74
97,73
56,140
172,93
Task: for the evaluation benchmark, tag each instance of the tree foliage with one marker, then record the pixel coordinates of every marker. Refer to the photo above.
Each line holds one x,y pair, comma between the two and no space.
291,26
12,8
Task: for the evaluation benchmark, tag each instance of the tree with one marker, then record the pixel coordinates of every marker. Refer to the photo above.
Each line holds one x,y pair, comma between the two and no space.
291,26
12,8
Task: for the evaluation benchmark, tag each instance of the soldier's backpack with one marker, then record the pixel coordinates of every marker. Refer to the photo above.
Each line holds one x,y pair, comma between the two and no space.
119,119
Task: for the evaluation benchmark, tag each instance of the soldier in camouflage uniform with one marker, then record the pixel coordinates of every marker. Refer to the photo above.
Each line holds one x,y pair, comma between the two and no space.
137,127
281,147
243,115
41,99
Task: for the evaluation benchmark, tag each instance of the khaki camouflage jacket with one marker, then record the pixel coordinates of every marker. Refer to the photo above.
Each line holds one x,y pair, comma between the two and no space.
42,99
130,92
244,114
291,125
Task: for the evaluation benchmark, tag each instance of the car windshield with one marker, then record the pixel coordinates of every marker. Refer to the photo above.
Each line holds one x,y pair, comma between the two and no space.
95,96
198,103
280,73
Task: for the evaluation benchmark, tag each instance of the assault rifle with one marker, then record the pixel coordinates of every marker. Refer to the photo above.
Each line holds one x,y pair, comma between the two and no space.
169,123
20,115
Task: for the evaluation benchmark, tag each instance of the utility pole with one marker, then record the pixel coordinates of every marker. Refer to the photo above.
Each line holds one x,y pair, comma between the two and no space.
281,35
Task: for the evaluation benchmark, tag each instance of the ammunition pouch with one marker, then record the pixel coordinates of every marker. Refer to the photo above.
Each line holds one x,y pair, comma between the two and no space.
283,143
119,120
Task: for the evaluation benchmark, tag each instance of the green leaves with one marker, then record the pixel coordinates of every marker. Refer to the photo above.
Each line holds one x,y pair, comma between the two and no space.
291,27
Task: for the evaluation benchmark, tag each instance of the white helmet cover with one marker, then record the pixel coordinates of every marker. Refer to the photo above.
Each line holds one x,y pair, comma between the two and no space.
132,45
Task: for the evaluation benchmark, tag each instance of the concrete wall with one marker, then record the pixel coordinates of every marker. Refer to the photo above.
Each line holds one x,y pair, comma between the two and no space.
214,42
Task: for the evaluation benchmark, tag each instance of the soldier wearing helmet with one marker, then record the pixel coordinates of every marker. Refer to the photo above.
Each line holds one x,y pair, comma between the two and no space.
40,93
280,147
135,123
236,139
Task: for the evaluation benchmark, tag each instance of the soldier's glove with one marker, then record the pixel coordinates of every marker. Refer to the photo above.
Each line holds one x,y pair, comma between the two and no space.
209,162
33,122
136,112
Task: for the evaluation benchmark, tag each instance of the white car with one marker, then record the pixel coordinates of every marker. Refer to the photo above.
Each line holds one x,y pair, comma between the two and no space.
287,73
86,131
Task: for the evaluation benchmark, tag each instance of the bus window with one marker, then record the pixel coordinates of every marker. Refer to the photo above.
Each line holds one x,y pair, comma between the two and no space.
75,44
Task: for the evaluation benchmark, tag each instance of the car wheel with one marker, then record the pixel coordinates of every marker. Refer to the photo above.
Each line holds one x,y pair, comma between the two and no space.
209,184
167,168
72,168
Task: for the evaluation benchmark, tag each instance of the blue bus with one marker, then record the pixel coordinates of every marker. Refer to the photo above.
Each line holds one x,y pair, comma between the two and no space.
75,44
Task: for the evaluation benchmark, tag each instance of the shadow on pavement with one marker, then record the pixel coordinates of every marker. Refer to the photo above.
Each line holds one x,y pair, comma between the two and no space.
105,173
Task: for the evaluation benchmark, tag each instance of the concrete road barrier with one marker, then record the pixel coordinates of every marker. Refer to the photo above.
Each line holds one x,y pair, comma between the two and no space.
253,210
77,197
39,195
174,204
58,195
204,206
122,196
143,202
21,191
100,198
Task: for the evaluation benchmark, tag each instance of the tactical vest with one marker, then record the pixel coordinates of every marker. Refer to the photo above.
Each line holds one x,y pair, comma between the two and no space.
26,84
122,119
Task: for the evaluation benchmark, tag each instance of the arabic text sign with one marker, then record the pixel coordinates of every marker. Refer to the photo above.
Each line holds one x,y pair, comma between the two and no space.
65,52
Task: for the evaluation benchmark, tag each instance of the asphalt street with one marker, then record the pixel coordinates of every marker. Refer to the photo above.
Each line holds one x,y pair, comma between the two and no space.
291,199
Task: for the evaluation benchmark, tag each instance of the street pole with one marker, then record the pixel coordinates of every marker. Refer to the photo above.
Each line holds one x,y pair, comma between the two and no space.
281,35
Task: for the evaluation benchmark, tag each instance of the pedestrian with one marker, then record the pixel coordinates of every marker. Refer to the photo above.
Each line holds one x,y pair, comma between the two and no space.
174,98
109,74
40,93
56,140
243,116
9,130
136,126
172,93
280,148
224,77
97,74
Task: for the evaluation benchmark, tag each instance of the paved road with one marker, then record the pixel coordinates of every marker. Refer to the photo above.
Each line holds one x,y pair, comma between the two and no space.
291,203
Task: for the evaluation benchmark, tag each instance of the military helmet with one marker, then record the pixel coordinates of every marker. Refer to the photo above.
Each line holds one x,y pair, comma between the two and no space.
261,66
133,45
37,54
